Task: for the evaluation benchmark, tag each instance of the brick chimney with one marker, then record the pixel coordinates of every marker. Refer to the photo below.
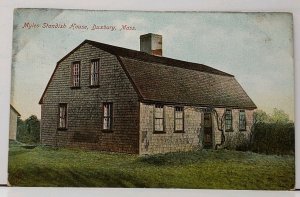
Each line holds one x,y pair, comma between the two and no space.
151,43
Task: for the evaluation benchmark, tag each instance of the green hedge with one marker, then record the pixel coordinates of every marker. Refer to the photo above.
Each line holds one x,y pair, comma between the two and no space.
273,138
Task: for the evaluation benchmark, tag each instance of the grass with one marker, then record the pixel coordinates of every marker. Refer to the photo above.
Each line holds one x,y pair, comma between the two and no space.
211,169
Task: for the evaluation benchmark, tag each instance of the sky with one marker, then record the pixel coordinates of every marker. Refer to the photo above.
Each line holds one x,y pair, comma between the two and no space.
257,48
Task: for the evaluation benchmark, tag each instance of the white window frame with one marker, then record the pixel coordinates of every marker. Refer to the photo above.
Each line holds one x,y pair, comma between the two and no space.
107,118
179,119
228,117
62,115
76,74
159,120
242,120
94,72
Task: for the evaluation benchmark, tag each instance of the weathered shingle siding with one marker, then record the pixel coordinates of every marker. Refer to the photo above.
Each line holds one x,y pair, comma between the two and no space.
235,138
85,105
239,138
169,141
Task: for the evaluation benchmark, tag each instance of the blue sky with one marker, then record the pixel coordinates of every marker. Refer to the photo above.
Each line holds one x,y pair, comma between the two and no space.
255,47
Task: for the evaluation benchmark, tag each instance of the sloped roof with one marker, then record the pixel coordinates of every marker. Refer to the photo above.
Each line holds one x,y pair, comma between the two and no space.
14,109
167,80
169,84
133,54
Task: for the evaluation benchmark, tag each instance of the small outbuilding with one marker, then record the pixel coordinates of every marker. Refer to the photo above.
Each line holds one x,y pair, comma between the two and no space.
14,114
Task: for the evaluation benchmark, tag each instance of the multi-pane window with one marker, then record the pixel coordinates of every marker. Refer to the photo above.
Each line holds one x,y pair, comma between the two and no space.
228,120
242,120
159,118
178,119
76,74
94,72
107,116
62,116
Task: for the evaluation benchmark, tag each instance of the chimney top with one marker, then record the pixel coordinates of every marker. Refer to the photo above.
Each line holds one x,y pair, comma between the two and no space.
151,43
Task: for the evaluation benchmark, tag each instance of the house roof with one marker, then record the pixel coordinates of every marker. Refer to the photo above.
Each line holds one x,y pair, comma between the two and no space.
14,109
167,80
168,84
133,54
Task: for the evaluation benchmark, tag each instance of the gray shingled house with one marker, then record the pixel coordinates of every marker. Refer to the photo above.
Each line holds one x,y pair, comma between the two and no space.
115,99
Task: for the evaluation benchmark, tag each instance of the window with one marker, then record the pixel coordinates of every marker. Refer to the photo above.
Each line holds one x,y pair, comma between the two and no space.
159,118
228,120
178,119
76,74
242,120
107,116
62,116
94,72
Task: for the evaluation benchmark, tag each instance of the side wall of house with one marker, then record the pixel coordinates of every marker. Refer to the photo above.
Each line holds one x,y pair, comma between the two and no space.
169,141
13,125
234,138
85,105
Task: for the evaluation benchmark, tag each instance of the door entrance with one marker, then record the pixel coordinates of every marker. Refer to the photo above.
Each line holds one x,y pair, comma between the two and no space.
207,130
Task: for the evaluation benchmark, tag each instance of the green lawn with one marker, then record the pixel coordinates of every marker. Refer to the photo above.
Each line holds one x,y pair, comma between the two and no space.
221,169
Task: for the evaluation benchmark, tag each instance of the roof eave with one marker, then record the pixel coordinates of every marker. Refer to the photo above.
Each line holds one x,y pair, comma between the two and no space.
198,104
14,109
42,97
140,96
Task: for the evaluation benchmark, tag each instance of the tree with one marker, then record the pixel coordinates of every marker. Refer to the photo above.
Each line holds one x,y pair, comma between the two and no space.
279,116
33,128
261,116
21,129
28,131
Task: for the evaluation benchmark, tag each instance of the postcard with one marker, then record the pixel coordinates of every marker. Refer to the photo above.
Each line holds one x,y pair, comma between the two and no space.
200,100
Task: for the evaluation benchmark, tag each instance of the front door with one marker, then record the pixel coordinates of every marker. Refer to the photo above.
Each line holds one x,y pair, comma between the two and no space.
207,130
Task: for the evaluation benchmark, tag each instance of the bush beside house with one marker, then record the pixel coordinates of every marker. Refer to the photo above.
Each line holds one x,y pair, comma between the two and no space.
273,133
273,138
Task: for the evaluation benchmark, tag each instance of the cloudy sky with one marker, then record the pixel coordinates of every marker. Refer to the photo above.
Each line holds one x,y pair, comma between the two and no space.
257,48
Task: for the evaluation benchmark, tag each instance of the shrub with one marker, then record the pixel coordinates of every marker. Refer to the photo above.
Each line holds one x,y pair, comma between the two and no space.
273,138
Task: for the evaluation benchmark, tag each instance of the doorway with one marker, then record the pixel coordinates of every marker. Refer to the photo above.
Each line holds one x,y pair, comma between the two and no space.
207,140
